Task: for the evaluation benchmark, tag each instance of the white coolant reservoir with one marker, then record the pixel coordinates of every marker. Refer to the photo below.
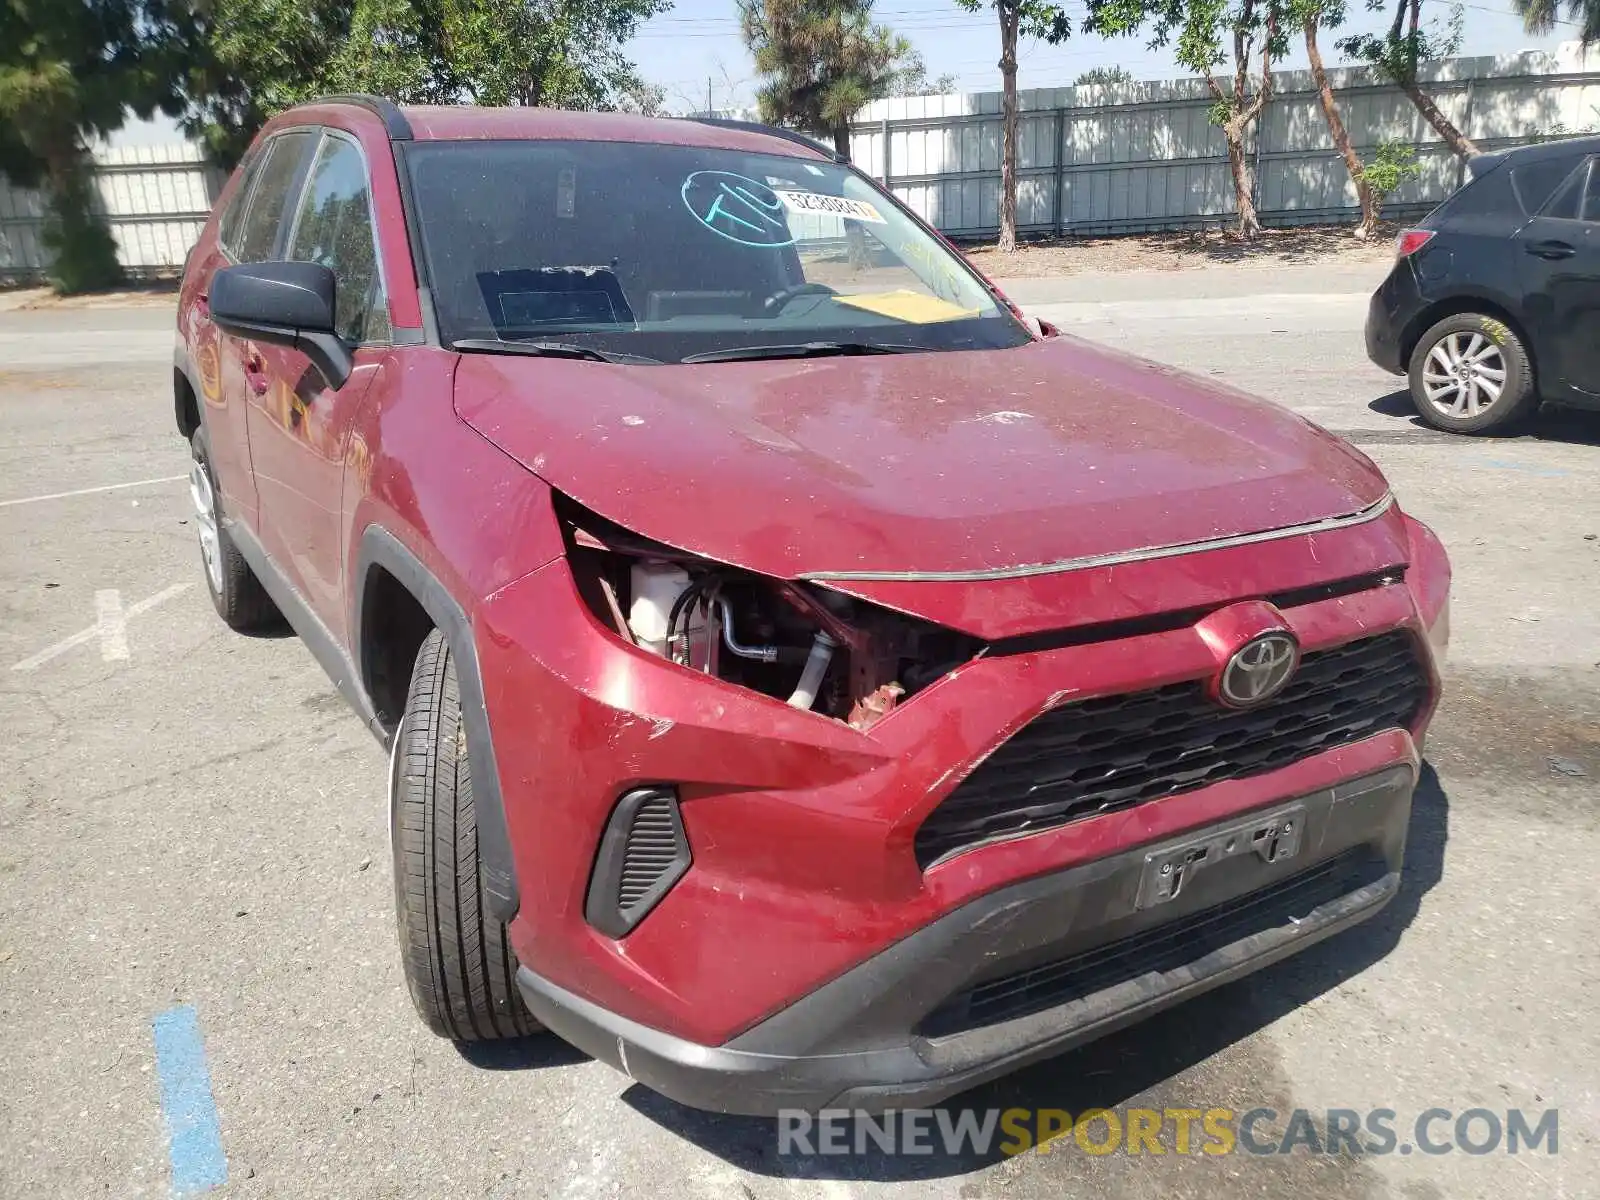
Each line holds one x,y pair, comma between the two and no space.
656,588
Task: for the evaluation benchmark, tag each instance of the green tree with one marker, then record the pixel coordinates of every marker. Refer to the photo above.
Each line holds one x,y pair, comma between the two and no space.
1202,28
822,61
253,58
258,57
1540,16
1035,19
1313,16
1100,75
68,73
911,79
1399,50
1392,164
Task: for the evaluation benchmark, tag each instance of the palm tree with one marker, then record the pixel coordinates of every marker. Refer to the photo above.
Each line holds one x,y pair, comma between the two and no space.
1540,16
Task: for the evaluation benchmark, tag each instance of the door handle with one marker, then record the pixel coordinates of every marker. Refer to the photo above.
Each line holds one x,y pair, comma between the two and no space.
255,373
1552,249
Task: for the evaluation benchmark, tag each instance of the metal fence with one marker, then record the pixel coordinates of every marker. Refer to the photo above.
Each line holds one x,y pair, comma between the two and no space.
1134,157
1092,159
156,199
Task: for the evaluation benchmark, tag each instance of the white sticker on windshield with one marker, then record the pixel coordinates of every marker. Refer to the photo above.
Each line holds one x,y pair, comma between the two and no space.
833,206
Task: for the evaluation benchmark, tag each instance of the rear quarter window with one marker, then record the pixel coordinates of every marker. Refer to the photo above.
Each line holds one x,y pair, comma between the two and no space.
1488,194
233,215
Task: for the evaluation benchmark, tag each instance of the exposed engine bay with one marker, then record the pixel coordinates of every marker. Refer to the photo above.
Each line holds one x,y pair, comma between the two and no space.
807,645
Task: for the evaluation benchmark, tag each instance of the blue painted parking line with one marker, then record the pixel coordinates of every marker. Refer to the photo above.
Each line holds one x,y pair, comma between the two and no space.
194,1138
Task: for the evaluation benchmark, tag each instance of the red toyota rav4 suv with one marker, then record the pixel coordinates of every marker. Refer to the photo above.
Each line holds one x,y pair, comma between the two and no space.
809,683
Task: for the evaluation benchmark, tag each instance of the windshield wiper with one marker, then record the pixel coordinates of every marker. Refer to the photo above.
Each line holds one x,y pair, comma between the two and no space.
547,350
802,350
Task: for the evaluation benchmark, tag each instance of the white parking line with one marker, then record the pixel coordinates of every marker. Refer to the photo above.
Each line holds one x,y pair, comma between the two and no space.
110,487
111,625
96,630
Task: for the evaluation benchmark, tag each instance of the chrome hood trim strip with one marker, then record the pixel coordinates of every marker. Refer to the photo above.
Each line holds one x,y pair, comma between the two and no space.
1371,513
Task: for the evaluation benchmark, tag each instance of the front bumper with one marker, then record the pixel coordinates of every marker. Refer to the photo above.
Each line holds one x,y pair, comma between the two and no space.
1028,971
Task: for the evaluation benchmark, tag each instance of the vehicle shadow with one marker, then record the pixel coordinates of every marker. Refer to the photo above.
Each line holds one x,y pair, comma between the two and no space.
1552,423
533,1053
1116,1069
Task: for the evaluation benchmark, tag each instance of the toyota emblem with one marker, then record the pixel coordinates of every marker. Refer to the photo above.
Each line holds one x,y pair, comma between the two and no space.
1259,670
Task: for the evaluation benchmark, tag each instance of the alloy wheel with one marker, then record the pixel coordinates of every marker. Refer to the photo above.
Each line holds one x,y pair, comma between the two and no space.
205,512
1465,373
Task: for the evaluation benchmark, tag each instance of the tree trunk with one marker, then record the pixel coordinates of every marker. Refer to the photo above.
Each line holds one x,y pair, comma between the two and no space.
1460,143
1008,126
83,252
855,238
1244,184
1341,135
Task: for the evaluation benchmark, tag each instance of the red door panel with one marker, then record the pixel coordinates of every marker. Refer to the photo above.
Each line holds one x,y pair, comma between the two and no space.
299,438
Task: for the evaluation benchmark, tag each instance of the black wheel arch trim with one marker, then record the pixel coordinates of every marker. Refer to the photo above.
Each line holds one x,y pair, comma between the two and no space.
381,548
1471,300
184,365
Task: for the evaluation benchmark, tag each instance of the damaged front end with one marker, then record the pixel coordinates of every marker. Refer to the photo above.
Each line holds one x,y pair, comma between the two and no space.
805,644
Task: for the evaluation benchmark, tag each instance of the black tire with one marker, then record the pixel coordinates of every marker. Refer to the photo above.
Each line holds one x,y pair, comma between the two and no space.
1518,397
236,593
459,966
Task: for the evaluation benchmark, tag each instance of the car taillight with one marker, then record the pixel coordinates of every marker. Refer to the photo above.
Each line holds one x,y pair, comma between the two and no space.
1410,241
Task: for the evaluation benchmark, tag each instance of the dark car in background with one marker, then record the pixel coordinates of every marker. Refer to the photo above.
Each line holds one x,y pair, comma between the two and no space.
1493,304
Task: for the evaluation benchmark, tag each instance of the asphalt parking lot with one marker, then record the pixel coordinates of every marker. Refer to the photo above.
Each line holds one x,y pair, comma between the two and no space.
192,818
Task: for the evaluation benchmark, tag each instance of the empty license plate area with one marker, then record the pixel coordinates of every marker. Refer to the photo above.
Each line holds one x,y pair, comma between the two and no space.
1272,837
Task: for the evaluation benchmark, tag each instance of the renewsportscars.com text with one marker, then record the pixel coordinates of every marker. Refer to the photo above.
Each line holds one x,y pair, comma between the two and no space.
1182,1131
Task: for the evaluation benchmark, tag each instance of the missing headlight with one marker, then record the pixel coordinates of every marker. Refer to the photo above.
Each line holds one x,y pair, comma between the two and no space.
797,642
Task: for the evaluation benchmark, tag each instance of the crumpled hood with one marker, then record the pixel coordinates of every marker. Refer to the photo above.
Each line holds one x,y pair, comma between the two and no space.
939,462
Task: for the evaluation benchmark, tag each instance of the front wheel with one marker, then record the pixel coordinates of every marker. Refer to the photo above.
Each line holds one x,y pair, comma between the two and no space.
1471,374
459,965
235,592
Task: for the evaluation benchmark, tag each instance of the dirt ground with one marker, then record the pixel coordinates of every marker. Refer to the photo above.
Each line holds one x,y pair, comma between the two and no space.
27,299
1182,251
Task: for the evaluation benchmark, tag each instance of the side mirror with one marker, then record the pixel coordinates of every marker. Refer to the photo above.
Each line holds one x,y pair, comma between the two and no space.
287,303
1040,327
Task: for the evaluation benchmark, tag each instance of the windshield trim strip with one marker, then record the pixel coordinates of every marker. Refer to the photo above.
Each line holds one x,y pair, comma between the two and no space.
1327,524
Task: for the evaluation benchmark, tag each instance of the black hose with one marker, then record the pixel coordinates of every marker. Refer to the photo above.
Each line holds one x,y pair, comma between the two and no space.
678,605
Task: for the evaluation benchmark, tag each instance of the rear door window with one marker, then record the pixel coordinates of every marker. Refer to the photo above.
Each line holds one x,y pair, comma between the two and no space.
1591,198
1568,198
334,227
280,171
1536,182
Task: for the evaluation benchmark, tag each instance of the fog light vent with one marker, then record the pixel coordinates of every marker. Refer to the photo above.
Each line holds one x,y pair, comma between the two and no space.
643,852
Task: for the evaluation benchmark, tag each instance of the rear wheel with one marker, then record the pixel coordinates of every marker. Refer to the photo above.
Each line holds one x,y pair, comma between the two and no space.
459,965
236,593
1470,374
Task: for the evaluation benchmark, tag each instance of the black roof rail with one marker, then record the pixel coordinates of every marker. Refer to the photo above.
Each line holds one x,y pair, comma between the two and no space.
394,121
788,135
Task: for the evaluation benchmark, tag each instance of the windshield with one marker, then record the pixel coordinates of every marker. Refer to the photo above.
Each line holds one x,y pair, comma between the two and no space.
669,252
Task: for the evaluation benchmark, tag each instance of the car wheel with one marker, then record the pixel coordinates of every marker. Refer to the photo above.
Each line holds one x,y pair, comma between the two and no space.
459,965
1470,374
237,594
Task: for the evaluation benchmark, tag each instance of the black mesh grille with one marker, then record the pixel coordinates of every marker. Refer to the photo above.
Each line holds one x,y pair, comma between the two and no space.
643,852
653,849
1159,951
1113,752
